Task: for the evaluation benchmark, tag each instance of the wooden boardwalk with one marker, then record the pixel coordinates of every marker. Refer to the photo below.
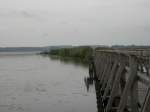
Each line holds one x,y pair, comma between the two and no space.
123,80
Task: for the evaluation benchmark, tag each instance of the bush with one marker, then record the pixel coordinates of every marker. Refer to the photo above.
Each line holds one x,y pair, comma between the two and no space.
78,52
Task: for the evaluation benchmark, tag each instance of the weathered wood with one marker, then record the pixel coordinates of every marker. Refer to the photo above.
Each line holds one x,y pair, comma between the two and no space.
146,106
103,68
143,78
134,97
132,76
118,76
114,88
104,74
99,67
110,80
107,75
123,80
98,95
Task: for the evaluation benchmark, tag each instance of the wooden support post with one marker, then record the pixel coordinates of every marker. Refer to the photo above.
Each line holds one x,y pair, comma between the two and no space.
98,97
146,105
103,68
114,89
97,66
109,84
113,80
105,71
134,96
123,80
100,69
107,75
133,74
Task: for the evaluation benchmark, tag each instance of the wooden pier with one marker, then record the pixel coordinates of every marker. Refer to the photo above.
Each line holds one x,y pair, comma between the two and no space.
122,80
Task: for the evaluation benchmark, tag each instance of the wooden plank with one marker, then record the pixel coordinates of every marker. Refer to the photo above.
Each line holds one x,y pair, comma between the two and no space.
98,67
107,75
134,96
146,105
98,97
110,80
104,71
123,80
132,76
103,67
114,89
143,78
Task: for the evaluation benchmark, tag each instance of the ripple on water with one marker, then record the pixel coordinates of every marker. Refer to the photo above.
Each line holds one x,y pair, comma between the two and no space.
13,107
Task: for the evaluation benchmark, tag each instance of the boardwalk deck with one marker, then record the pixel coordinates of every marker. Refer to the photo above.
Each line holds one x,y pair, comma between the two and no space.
124,80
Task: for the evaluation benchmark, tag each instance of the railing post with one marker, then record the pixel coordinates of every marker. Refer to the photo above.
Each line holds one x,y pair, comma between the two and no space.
132,75
146,106
109,84
115,85
118,78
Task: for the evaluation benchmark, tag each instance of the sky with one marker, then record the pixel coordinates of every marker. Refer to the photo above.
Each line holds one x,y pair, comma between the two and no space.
74,22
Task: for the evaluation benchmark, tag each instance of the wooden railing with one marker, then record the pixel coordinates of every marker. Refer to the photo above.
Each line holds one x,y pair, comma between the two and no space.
124,80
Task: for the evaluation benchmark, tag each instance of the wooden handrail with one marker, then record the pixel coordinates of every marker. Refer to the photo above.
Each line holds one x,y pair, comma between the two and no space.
119,73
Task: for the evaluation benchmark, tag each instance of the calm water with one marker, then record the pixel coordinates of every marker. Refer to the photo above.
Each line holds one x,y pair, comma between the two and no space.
34,83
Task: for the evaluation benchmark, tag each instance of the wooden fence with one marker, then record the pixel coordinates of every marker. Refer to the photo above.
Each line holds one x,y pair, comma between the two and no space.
124,80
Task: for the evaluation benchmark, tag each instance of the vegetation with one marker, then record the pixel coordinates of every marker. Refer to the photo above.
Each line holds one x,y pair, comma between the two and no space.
77,52
72,60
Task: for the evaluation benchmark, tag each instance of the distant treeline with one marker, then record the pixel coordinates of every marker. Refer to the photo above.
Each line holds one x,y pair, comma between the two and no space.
76,52
130,47
22,49
86,52
30,49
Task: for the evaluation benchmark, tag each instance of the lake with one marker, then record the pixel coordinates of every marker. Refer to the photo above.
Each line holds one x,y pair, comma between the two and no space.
35,83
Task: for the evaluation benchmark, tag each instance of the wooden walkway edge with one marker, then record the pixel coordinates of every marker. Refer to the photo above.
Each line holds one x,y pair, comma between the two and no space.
124,80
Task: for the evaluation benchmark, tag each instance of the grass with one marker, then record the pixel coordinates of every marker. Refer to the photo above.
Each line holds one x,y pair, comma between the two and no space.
84,53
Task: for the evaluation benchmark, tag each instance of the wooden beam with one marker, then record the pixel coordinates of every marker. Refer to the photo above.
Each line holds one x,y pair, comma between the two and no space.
146,105
114,88
130,81
109,84
143,78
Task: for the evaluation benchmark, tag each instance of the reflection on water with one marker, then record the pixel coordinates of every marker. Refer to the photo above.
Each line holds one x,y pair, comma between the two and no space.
71,60
91,81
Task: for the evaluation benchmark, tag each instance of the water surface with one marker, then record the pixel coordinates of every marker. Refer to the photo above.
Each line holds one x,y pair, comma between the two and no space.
34,83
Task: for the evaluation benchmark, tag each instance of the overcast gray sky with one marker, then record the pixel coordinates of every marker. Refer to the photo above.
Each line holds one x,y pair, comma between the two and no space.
76,22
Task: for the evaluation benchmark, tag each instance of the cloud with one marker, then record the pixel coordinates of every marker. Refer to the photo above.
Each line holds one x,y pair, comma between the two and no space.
27,14
20,14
